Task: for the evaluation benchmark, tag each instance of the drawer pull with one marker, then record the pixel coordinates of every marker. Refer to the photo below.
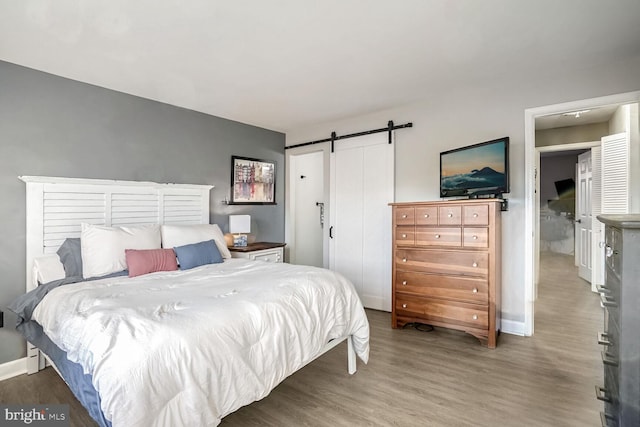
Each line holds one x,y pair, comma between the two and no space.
404,215
475,264
404,260
404,236
607,301
404,283
404,305
437,236
426,215
474,317
608,360
450,215
475,237
475,215
607,420
602,290
603,338
601,394
475,290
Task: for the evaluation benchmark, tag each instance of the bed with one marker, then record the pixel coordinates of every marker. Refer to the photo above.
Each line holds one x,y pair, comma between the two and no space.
172,346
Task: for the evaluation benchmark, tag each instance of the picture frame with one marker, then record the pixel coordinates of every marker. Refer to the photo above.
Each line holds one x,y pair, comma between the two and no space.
253,181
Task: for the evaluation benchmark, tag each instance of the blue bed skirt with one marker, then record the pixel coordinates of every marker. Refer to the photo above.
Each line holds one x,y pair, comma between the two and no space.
72,373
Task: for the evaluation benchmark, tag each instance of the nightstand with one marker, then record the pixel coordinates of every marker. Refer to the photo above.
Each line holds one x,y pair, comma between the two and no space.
262,251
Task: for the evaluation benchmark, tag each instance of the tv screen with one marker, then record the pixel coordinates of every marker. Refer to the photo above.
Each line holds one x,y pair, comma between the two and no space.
476,169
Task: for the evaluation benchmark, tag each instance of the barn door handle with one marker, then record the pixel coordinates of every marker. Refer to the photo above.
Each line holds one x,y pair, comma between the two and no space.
331,232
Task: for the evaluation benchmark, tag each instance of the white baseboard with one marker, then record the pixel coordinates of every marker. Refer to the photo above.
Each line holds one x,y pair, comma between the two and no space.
512,327
13,368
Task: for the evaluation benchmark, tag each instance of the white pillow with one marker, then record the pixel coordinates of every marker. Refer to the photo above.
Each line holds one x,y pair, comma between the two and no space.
48,268
180,235
103,247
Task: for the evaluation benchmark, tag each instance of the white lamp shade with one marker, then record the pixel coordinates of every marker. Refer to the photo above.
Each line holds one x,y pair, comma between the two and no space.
239,224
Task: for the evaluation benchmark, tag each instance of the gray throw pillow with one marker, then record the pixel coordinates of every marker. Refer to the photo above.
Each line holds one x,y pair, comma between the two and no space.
71,257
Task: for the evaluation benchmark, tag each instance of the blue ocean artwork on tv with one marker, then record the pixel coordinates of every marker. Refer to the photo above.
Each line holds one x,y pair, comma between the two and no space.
477,169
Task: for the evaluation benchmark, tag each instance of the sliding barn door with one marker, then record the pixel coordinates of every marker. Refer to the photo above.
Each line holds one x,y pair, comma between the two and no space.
362,185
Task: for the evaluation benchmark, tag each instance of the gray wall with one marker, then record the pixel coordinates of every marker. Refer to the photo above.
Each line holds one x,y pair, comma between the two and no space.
555,168
58,127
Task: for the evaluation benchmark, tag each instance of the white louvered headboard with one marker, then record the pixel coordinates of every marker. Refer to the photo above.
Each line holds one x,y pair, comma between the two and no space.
57,206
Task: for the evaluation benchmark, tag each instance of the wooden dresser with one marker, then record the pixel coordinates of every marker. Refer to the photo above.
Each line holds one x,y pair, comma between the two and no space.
446,265
621,337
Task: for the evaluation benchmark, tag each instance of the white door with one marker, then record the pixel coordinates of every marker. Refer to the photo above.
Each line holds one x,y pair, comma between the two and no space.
583,216
308,204
362,186
597,228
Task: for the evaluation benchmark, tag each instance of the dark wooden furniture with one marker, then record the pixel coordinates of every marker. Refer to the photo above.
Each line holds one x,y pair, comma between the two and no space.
263,251
621,338
446,266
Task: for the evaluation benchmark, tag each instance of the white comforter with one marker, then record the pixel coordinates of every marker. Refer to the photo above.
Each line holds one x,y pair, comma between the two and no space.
188,348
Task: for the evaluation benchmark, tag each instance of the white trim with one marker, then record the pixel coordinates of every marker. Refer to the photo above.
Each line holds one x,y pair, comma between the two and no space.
530,115
568,147
512,327
13,368
110,182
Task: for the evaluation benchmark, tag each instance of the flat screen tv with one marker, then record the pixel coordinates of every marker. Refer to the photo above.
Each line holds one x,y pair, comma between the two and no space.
479,169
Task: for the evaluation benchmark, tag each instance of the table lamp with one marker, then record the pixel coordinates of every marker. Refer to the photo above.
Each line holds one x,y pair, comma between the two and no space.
238,226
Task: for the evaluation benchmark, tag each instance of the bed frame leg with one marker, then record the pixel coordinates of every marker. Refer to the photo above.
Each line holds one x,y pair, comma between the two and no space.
351,355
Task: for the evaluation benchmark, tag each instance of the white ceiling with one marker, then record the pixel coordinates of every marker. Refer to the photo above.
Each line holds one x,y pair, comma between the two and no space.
285,64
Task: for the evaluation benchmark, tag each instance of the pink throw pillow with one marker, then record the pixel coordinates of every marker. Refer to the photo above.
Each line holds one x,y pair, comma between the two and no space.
146,261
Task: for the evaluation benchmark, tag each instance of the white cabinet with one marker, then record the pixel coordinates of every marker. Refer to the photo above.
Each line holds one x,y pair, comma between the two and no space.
261,251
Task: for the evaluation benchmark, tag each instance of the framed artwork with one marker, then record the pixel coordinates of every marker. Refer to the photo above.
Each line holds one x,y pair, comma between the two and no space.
253,181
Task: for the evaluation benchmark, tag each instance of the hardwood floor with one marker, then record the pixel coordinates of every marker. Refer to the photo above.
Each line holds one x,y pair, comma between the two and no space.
439,378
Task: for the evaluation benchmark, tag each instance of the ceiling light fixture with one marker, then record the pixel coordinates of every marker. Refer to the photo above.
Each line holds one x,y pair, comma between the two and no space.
576,114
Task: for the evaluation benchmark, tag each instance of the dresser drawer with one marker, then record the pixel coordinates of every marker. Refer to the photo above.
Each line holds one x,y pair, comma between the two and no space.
450,215
475,215
426,215
443,262
438,236
455,313
613,333
611,388
467,289
612,281
405,216
475,237
405,235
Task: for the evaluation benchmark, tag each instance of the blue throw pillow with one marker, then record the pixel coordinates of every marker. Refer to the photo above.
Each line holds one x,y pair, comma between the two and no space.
197,254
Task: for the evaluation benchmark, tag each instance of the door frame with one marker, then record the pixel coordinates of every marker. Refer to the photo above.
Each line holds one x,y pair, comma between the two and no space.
532,160
290,214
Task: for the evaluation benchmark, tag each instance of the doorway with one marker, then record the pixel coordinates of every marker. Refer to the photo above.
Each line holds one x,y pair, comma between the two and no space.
531,194
307,205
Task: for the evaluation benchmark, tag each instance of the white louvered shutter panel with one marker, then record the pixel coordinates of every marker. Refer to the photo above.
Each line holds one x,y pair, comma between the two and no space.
615,174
